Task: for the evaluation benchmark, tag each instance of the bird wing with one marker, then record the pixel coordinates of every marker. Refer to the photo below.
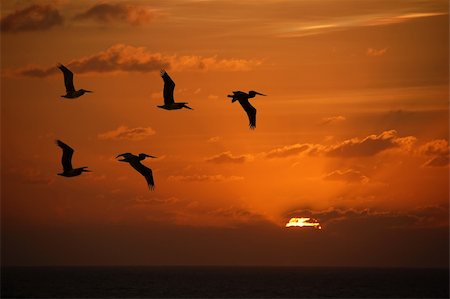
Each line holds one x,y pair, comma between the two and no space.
169,87
238,95
146,172
251,112
125,155
68,78
66,159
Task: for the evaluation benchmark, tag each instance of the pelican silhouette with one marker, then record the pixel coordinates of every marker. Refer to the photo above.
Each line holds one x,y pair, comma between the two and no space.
169,102
66,161
71,93
135,162
243,97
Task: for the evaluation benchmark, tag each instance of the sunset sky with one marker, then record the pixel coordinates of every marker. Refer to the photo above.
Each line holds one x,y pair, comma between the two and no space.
353,132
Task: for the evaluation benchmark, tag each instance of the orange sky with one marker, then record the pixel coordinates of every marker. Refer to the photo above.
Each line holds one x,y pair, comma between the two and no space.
354,132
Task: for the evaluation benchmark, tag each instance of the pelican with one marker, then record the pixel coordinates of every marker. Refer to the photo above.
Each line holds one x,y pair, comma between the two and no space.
243,97
135,162
169,102
66,161
71,93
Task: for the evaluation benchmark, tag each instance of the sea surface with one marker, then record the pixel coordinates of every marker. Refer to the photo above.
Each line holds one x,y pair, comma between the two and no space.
222,282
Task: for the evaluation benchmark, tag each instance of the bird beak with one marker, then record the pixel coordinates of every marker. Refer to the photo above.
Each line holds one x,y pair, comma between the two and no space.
88,91
151,156
260,94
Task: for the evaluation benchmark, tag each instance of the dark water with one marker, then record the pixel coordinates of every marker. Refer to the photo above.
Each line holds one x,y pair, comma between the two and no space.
222,282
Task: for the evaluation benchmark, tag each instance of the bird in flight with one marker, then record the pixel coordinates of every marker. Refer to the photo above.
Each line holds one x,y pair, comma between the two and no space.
169,102
135,162
66,161
243,97
71,93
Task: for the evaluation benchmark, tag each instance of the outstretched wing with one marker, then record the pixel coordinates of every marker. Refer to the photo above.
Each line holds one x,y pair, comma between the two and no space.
125,155
66,159
146,172
169,87
238,95
68,78
251,112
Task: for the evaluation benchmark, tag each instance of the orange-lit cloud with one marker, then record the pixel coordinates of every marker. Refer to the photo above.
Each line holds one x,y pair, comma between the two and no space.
355,147
204,178
125,133
303,222
30,176
438,150
214,139
369,146
118,12
376,52
349,175
124,58
332,120
32,18
289,150
227,157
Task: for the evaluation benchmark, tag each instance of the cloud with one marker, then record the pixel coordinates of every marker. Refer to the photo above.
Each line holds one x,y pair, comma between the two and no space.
227,157
125,133
349,176
289,150
332,120
32,18
124,58
438,150
214,139
213,97
369,146
108,13
431,216
30,176
204,178
376,52
355,147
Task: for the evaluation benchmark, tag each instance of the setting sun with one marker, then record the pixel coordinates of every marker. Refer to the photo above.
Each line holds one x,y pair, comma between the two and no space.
304,222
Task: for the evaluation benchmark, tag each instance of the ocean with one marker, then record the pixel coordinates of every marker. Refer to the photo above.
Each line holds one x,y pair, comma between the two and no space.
222,282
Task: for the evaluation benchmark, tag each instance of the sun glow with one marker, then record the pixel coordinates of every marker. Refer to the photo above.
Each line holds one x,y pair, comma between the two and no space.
304,222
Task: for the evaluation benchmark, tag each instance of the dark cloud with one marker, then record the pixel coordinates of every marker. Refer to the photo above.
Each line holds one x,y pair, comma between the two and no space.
31,18
124,58
227,157
438,150
118,12
432,216
349,175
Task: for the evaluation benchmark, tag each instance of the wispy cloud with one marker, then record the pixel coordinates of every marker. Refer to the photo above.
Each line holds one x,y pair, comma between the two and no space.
332,120
353,21
376,52
349,176
125,133
227,157
124,58
32,18
289,150
204,178
108,13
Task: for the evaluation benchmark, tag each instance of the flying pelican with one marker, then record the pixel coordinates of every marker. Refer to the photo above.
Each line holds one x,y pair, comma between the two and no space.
169,102
66,161
71,93
243,97
135,162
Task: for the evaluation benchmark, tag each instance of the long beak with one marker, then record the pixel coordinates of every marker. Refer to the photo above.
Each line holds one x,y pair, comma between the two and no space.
260,94
150,156
88,90
86,170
